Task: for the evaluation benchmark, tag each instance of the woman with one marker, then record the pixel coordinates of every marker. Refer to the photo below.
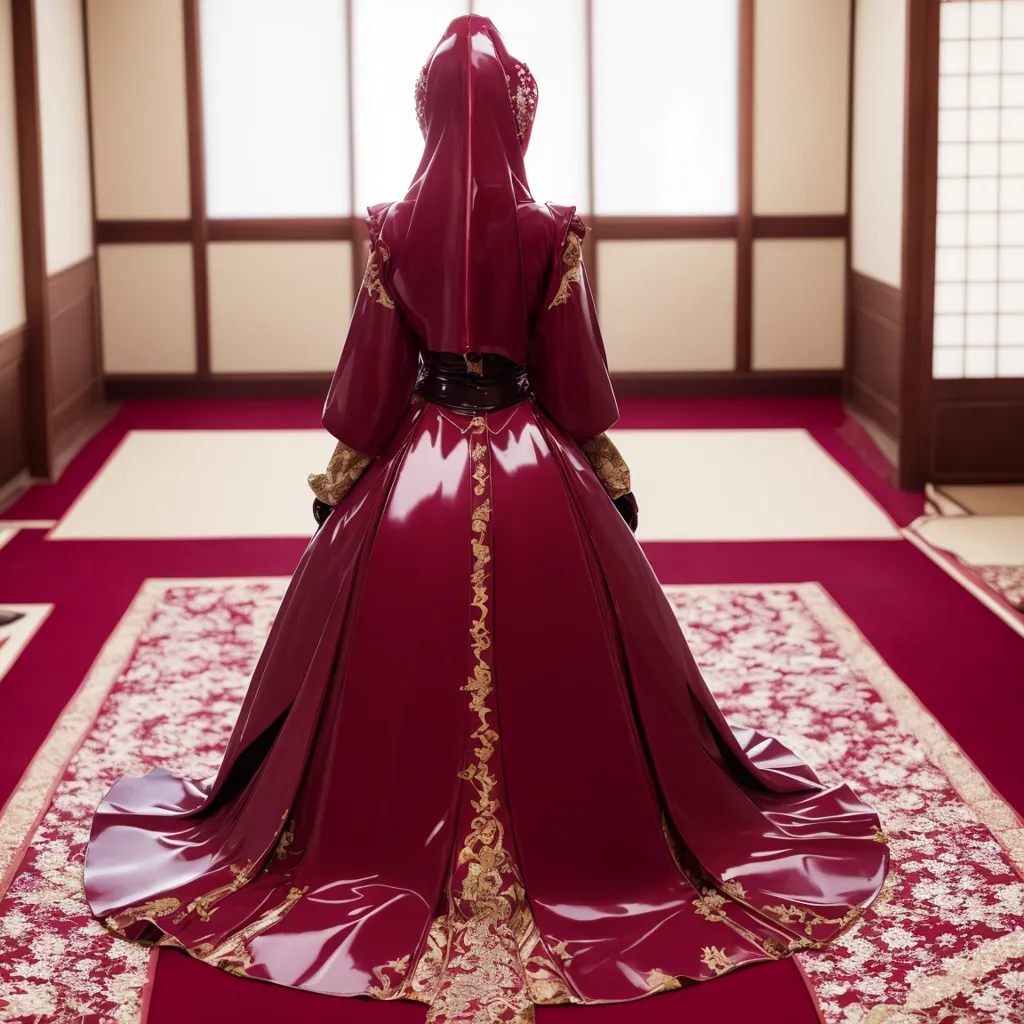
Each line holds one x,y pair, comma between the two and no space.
477,765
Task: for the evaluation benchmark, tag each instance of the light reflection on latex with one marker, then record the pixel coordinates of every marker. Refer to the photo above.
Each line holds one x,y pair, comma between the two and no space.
581,912
514,452
327,950
437,828
442,477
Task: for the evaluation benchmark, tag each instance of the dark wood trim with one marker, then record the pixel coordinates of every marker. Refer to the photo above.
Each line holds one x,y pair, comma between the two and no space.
848,298
13,453
72,285
75,371
802,226
120,387
97,310
881,298
306,229
38,397
647,385
80,430
873,404
920,183
197,184
633,228
70,413
279,229
872,369
142,232
745,198
12,346
993,391
975,432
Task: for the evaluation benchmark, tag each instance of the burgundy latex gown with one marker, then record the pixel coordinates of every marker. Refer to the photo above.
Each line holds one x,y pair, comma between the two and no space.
477,765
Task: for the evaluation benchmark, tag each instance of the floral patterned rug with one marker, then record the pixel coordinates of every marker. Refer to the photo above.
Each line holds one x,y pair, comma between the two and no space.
944,943
1007,580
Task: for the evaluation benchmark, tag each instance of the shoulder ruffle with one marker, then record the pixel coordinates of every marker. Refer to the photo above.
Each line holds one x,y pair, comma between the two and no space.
375,218
567,220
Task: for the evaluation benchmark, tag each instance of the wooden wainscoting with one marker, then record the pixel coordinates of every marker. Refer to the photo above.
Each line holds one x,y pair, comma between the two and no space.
977,433
13,434
872,375
75,372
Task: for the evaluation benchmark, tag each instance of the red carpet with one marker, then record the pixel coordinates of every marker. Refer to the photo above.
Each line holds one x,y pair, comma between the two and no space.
957,657
781,655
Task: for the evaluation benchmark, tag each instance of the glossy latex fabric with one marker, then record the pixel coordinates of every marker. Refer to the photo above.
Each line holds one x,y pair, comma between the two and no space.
455,238
477,765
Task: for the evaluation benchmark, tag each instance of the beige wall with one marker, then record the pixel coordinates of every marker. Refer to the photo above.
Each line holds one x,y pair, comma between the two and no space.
879,69
668,305
12,283
664,305
799,304
140,134
148,312
801,101
279,307
67,183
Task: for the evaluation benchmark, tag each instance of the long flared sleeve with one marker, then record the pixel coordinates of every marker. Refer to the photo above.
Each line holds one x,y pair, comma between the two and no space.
374,381
567,365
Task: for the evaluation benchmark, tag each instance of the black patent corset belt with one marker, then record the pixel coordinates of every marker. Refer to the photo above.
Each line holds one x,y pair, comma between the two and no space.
453,381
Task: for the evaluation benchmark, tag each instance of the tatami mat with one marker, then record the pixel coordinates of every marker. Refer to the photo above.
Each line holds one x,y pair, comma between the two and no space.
691,485
18,624
744,485
977,540
987,500
201,483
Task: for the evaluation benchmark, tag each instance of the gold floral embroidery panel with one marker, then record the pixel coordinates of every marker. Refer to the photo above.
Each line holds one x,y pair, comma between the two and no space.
608,464
345,468
572,261
371,276
485,958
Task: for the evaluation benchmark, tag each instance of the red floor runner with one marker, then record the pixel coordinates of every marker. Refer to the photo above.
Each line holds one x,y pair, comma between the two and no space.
964,663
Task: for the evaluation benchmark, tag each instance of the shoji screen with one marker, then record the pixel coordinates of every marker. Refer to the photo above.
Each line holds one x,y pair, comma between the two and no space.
390,41
665,107
557,160
979,266
275,108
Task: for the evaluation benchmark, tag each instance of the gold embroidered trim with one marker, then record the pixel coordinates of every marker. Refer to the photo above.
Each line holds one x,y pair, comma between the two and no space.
384,990
477,455
717,959
484,960
204,907
371,276
658,981
152,909
234,954
286,840
345,468
572,260
734,889
608,464
810,920
711,905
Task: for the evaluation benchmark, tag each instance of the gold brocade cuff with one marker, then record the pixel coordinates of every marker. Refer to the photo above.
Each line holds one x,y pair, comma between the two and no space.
608,464
345,468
